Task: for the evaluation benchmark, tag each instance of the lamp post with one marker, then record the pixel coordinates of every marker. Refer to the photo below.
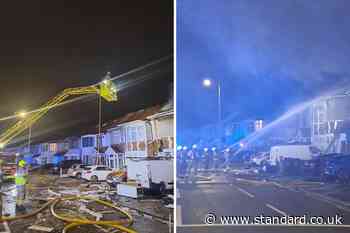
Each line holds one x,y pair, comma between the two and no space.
208,83
23,114
105,80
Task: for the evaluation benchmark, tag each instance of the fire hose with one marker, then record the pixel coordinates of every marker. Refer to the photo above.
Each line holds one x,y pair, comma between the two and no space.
121,225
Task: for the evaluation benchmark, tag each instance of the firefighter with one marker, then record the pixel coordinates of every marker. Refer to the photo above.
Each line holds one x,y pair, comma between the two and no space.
190,161
195,159
179,160
206,159
215,157
20,181
227,159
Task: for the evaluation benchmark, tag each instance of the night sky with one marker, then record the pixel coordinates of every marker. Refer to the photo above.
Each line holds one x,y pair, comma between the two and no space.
47,46
269,54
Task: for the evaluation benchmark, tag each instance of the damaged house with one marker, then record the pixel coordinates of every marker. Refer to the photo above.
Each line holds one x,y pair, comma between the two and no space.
142,134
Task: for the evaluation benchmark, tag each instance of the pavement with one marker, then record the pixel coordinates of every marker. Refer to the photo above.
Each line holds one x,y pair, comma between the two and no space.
229,195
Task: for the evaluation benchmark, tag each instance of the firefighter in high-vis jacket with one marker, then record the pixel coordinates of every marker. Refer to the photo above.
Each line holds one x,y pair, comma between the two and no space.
20,181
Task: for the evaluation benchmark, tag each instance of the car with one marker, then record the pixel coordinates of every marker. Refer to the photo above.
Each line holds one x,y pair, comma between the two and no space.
9,169
115,178
96,173
260,159
75,170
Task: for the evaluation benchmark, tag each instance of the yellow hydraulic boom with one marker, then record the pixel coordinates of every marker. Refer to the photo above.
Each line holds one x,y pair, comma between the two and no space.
105,89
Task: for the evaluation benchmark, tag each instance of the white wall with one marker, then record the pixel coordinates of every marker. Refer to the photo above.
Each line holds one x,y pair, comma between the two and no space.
165,127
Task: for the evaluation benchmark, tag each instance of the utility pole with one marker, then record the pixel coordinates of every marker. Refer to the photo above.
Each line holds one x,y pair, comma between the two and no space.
207,83
219,108
219,101
99,138
99,131
29,138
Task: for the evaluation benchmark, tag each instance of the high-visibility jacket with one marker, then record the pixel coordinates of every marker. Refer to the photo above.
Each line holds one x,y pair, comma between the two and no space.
20,178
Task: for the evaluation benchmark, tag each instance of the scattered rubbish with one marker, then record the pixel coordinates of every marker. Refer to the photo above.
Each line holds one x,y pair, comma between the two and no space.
83,209
9,201
6,226
59,205
41,228
129,190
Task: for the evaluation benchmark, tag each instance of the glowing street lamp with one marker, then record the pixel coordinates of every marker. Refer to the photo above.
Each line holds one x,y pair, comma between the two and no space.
22,114
208,83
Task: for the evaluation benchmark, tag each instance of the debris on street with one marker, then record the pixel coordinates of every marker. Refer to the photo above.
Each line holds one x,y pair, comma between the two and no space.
63,204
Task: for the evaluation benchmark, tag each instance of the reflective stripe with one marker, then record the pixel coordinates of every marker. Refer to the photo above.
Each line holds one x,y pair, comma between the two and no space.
20,180
21,163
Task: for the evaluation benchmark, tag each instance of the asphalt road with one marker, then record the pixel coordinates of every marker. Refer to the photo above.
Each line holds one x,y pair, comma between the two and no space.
234,197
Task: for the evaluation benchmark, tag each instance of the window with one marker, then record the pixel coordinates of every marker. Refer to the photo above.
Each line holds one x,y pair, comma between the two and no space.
121,163
117,137
45,147
131,134
123,135
141,133
102,169
53,147
88,142
149,131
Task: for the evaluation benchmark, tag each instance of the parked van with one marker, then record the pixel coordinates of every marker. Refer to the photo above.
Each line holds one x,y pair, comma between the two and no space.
302,152
152,174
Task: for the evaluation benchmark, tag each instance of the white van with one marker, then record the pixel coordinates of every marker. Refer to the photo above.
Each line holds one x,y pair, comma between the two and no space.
302,152
151,174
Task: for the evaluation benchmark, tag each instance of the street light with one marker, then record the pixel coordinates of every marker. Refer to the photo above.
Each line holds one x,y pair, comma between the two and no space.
24,114
207,83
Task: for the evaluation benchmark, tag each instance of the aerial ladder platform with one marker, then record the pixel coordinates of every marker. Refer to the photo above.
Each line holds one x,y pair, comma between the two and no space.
106,89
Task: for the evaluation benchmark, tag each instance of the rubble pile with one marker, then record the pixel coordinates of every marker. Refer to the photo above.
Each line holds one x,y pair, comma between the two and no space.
81,206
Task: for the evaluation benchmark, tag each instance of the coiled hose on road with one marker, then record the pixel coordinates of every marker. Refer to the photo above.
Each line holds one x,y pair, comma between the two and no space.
121,225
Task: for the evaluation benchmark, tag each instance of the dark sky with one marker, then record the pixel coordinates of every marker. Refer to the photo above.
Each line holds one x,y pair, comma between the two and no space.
269,54
46,46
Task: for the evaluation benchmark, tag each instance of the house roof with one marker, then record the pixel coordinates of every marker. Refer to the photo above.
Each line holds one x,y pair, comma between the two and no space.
161,114
133,116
